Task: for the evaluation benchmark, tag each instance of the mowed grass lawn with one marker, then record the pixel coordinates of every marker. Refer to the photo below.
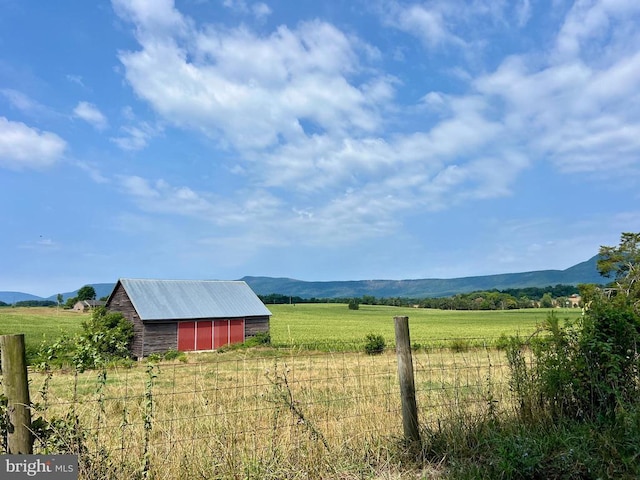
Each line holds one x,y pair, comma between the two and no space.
319,324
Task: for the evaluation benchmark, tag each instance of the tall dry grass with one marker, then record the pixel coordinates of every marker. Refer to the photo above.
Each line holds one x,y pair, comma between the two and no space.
263,414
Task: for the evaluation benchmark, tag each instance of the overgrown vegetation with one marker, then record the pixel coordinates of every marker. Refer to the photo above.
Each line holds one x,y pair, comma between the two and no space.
576,386
105,338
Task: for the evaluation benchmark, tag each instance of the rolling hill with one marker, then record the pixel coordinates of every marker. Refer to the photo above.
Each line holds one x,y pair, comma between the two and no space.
585,272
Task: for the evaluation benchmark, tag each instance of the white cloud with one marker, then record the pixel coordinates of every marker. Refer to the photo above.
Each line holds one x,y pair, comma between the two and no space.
77,79
581,116
309,116
93,172
259,10
24,147
428,24
91,114
135,137
159,16
458,25
252,91
21,101
592,21
523,12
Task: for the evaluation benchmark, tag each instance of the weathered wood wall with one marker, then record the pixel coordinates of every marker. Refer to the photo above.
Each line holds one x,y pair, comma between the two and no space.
160,337
254,325
120,302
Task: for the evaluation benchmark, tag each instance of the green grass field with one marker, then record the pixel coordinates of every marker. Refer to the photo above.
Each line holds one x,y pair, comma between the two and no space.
327,323
320,324
39,323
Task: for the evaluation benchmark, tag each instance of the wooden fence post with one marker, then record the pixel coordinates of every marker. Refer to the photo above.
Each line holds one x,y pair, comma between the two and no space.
407,384
16,388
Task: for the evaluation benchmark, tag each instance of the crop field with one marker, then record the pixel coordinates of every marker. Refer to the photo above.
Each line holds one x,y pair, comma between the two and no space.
318,324
323,325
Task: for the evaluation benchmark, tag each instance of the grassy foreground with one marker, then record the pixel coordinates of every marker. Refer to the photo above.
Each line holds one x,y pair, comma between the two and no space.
290,413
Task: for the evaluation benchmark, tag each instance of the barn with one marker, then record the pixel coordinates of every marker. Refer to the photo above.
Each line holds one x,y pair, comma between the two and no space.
188,315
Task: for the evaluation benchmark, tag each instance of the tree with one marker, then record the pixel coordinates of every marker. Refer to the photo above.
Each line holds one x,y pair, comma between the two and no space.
546,301
59,299
622,263
354,304
86,293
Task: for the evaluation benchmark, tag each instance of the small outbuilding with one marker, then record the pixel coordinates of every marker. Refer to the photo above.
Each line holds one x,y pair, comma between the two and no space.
86,305
188,315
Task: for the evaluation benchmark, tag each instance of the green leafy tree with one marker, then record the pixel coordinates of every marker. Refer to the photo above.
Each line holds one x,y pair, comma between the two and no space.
59,299
87,293
354,304
546,301
622,264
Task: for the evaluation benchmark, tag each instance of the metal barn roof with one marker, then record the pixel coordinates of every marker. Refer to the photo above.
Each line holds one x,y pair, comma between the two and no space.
183,299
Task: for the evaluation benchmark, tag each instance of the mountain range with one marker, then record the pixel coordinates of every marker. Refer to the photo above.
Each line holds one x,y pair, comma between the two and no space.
585,272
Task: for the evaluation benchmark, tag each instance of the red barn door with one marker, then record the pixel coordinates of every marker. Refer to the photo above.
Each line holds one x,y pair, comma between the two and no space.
204,335
236,331
220,333
186,336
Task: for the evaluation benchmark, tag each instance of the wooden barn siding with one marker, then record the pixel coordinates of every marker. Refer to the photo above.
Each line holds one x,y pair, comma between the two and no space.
254,325
120,302
160,337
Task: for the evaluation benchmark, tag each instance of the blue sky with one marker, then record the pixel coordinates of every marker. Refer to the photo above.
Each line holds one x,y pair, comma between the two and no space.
337,140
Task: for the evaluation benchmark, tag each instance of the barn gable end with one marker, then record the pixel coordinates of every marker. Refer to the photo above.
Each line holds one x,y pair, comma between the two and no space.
119,301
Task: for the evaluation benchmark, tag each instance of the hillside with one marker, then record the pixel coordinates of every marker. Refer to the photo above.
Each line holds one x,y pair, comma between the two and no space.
585,272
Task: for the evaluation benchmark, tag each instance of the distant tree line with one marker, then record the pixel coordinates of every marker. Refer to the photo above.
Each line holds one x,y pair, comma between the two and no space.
35,303
511,298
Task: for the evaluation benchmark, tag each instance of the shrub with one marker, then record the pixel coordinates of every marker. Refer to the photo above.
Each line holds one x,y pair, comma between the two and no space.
354,304
460,345
374,344
105,337
584,369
